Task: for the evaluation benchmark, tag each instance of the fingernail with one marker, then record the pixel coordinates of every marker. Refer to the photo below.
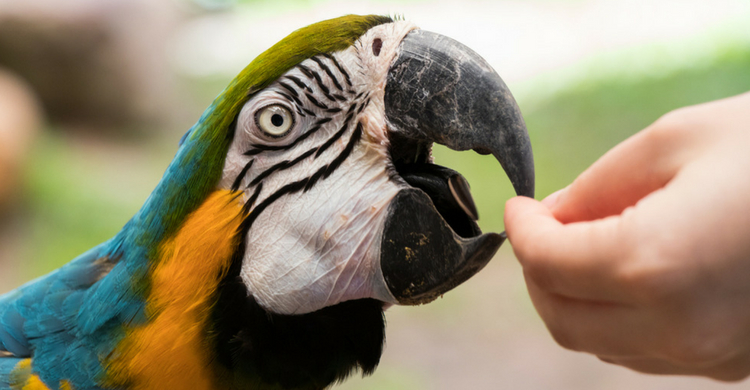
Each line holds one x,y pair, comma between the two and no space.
551,200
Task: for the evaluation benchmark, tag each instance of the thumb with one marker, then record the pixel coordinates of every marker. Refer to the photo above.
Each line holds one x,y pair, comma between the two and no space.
631,170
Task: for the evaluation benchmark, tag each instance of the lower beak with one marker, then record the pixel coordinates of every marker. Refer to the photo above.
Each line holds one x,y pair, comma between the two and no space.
439,90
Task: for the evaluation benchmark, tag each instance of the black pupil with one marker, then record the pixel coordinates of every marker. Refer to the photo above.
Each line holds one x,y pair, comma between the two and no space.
277,120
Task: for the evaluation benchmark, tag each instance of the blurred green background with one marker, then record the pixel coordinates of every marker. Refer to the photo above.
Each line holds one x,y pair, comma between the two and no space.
586,74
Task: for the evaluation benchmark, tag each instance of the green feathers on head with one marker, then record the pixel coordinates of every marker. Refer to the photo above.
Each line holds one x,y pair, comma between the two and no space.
323,37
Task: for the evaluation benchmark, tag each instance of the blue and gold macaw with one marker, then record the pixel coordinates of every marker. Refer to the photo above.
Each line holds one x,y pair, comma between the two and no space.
302,203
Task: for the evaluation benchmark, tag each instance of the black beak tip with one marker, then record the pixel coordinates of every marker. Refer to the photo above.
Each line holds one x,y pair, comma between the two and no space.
523,181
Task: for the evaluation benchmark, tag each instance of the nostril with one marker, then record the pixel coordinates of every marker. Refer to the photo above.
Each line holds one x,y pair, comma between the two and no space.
377,44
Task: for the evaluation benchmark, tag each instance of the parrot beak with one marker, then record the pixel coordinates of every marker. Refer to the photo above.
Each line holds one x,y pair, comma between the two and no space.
439,90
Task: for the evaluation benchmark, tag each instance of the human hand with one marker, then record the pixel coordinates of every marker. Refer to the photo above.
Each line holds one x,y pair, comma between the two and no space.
644,260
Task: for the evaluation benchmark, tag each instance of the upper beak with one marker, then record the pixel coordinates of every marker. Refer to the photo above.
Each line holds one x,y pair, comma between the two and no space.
439,90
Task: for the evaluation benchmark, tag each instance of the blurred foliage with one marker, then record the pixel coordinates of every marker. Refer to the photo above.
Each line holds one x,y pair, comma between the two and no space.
277,5
79,194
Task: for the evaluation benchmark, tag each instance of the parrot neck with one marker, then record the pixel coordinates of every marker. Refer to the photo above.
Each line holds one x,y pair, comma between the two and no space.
187,183
169,350
309,351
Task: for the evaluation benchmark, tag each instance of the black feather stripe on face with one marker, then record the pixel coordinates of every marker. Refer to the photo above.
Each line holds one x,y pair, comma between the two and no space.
306,183
243,172
318,80
340,68
330,74
295,98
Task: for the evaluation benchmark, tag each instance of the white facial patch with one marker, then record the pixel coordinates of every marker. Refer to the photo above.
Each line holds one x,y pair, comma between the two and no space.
318,195
315,249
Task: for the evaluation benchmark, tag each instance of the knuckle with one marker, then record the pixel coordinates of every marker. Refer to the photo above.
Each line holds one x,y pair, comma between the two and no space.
677,120
690,120
671,126
656,276
650,283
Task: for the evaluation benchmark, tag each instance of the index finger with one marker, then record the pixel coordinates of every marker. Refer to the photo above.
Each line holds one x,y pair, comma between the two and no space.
578,260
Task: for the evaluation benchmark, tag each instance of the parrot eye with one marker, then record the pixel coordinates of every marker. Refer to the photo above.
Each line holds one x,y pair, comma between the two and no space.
275,120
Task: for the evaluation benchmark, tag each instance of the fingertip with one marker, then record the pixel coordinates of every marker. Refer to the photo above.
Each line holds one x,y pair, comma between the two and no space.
524,215
521,201
519,207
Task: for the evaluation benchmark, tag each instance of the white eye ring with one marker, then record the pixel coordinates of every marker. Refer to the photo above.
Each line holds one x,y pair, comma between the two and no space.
274,120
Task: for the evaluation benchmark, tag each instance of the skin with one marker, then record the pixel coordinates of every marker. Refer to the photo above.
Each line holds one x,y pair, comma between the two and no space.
644,260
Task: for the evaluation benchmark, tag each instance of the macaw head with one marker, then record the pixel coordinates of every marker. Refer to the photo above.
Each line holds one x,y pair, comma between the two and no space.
326,139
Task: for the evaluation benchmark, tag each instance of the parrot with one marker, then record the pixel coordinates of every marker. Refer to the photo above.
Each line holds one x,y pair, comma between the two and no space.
302,204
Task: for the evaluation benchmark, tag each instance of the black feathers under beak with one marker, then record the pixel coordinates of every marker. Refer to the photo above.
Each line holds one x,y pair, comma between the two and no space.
439,90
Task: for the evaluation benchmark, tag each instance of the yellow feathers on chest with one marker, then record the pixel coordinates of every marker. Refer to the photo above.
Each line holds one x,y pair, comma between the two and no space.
171,350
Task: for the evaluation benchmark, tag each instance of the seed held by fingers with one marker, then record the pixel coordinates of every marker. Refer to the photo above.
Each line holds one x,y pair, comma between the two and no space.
461,192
